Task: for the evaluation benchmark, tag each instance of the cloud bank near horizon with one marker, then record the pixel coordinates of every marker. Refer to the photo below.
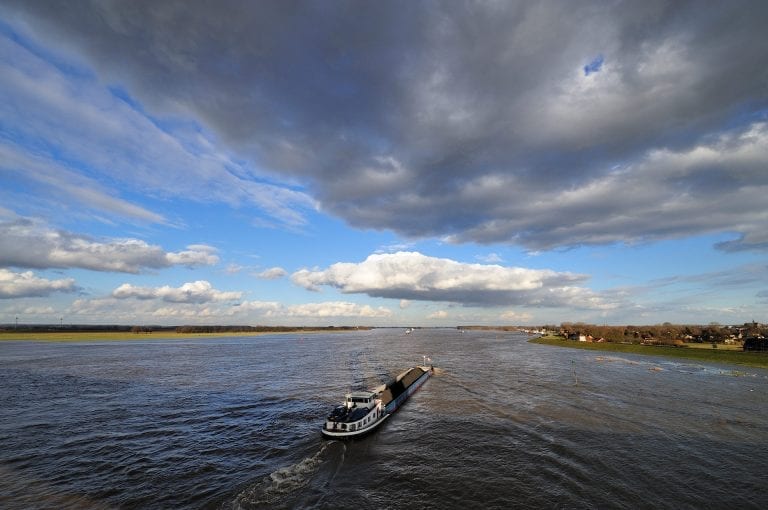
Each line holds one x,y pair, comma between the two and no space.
199,302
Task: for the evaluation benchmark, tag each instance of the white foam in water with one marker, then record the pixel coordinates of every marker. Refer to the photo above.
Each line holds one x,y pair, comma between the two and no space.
279,483
288,478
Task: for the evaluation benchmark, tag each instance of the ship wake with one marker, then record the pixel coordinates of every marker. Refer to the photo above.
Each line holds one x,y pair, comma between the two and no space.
275,489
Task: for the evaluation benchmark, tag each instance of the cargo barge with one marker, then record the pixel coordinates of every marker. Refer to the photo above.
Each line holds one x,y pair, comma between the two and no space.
364,411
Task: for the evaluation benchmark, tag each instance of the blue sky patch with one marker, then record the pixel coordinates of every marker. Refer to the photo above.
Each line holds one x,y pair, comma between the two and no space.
594,66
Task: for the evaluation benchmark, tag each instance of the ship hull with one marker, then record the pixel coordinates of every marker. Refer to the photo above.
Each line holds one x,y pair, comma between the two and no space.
346,434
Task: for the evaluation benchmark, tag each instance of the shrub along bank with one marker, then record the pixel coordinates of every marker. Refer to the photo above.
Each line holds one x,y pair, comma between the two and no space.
752,359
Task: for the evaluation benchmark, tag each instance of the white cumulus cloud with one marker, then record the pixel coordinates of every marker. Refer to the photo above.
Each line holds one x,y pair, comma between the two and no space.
31,244
514,316
194,255
414,276
27,284
332,309
272,273
192,292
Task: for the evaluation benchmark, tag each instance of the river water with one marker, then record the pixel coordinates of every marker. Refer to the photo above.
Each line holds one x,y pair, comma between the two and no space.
234,423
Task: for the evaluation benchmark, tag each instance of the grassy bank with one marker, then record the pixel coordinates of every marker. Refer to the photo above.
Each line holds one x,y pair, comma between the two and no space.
752,359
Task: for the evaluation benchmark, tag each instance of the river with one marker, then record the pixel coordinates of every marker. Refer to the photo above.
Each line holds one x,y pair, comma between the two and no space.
234,423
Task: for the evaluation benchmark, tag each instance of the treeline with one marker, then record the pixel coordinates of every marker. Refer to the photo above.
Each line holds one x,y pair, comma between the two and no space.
148,329
490,328
79,328
664,333
262,329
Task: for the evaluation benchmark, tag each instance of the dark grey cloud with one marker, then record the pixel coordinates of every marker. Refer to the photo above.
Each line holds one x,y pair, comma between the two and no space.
473,121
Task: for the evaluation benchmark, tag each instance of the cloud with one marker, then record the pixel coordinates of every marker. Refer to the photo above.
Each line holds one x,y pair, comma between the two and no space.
713,187
60,181
233,268
193,292
199,302
472,124
440,314
260,307
516,317
26,284
165,305
194,255
38,310
141,311
330,309
30,244
491,258
80,143
272,273
413,276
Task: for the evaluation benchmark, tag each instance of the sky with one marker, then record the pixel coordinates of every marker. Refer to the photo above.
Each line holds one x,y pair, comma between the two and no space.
392,163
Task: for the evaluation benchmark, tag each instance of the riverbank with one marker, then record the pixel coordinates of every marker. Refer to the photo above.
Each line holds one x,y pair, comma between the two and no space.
751,359
110,336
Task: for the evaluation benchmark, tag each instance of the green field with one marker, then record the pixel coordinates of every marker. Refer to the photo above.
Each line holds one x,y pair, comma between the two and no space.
710,355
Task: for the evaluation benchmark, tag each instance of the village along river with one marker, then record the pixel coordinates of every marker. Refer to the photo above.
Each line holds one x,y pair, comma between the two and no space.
235,423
